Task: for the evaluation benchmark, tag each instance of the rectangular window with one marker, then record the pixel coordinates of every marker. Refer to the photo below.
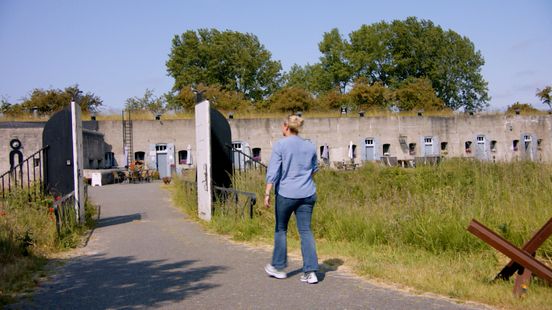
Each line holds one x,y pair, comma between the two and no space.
161,147
428,141
467,147
515,144
480,139
527,138
386,148
412,148
182,157
369,142
493,146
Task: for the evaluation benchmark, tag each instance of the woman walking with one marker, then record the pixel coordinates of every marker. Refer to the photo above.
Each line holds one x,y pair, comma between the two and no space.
290,172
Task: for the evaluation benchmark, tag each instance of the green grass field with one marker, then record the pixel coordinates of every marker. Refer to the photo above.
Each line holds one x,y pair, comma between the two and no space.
407,227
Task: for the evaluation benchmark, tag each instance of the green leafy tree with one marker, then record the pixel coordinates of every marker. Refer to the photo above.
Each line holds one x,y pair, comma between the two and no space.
334,61
233,60
149,102
332,100
370,97
312,78
417,93
290,99
544,95
52,100
392,52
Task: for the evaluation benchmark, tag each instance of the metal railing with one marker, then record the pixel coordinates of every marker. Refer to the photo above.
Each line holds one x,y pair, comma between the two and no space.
26,174
240,200
65,213
242,161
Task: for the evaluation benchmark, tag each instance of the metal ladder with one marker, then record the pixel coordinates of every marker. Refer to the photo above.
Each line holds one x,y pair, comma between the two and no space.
127,137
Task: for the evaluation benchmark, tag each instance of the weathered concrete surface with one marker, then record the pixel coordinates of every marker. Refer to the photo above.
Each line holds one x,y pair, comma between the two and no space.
145,254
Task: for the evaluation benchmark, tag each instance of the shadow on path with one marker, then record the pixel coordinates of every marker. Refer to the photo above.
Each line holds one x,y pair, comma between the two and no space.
328,265
120,282
116,220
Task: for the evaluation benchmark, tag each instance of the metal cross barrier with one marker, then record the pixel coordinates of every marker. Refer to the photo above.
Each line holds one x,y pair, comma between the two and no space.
523,260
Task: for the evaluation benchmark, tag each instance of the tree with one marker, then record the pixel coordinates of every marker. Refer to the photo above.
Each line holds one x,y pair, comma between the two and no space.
334,61
370,97
312,78
332,100
233,60
390,53
53,100
290,99
149,102
417,93
544,95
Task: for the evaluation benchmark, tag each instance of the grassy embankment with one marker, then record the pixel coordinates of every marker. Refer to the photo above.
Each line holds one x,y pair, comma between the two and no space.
250,114
27,238
408,226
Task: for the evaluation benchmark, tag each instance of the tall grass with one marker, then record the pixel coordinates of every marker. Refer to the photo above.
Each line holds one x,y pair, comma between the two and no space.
28,236
408,226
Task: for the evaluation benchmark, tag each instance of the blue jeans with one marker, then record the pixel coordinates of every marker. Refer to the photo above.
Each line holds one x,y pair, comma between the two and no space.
302,208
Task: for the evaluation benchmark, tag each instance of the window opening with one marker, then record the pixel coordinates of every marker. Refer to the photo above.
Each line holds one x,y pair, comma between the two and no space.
256,154
160,147
428,141
515,144
412,148
467,147
183,157
386,148
493,146
539,144
480,139
444,146
139,155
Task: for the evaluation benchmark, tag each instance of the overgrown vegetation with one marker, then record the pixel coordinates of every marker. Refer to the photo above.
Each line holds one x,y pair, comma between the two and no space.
408,226
28,237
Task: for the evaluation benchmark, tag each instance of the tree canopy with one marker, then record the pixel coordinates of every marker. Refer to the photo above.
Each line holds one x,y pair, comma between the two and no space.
544,95
149,102
52,100
392,53
235,61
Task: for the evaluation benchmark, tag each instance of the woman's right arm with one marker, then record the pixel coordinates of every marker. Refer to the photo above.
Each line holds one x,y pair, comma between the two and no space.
273,172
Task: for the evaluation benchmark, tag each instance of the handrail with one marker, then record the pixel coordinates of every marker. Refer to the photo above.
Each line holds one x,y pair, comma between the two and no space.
251,197
17,172
245,156
25,160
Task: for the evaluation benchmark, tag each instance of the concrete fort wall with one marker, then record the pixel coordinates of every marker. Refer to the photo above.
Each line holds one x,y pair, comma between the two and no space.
482,136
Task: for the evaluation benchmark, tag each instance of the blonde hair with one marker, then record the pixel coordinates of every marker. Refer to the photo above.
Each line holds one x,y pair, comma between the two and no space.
294,123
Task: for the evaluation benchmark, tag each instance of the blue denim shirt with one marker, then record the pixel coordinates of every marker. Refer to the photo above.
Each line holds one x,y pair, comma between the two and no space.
291,166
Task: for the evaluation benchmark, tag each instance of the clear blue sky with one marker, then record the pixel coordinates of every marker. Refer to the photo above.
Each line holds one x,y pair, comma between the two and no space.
116,49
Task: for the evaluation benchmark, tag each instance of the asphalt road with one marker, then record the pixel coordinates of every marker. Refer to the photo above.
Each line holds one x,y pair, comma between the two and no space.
144,253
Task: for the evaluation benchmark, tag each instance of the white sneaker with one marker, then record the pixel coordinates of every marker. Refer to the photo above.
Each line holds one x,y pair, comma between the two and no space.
309,277
273,272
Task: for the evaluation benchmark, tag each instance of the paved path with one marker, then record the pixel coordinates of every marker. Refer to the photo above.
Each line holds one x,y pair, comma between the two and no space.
145,254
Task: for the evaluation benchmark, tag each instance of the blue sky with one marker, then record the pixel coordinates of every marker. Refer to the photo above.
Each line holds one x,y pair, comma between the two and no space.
116,49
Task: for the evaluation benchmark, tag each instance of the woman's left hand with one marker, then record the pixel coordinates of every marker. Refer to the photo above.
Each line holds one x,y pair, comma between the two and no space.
267,201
